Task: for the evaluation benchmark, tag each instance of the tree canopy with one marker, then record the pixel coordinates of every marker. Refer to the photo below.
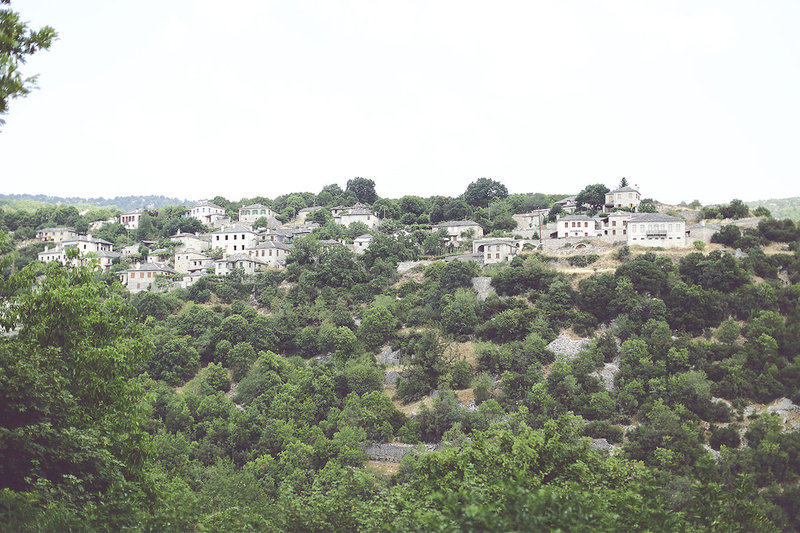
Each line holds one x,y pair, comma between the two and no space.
17,42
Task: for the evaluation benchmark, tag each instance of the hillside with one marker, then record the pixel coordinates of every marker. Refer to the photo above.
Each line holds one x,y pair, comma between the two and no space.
31,202
780,207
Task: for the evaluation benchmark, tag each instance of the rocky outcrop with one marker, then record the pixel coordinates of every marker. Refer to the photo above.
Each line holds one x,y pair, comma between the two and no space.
389,357
602,445
483,286
395,452
607,374
565,346
405,266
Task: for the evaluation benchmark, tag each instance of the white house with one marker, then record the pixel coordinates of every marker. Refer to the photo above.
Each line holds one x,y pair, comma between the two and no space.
460,230
576,226
142,275
272,253
251,213
192,261
131,219
234,240
305,212
207,213
615,225
250,265
568,204
535,220
56,234
190,241
361,243
358,213
656,229
623,197
496,250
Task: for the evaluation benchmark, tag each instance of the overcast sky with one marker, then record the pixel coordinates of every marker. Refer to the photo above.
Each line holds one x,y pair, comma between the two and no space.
195,98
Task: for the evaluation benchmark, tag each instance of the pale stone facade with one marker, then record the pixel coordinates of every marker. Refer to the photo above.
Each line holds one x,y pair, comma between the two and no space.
623,197
496,250
576,226
273,254
251,213
361,243
192,261
131,219
460,230
207,213
306,212
615,225
141,276
656,229
535,220
358,213
56,234
233,240
190,241
250,265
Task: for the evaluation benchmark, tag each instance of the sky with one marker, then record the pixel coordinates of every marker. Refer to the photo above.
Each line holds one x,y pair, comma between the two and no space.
198,98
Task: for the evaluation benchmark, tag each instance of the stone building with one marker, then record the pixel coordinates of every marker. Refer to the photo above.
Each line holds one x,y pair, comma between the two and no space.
656,229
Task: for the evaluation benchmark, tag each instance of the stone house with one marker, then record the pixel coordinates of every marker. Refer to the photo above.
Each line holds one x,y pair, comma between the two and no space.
305,212
192,261
623,197
133,249
701,231
273,254
131,219
656,229
207,213
251,213
568,204
460,230
535,220
361,243
242,261
190,241
615,225
576,226
358,213
496,250
56,234
233,240
162,256
142,275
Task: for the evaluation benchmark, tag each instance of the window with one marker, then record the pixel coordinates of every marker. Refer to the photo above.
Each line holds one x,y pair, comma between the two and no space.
234,237
497,256
613,223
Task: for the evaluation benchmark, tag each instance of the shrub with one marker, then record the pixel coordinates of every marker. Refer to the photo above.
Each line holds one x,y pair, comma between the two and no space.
603,429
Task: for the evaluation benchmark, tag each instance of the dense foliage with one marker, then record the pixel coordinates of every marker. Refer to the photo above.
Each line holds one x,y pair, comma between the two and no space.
245,402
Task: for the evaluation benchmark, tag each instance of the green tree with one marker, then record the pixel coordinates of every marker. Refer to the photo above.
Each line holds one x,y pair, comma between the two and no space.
483,191
592,195
71,406
363,188
377,325
17,42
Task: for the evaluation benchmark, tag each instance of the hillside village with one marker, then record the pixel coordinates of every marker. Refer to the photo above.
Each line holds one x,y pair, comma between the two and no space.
253,238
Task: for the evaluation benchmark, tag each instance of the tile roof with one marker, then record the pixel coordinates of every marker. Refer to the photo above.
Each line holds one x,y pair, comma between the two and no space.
455,223
654,217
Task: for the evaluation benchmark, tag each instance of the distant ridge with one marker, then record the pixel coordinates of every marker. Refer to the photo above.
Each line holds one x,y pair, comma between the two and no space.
780,207
122,202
